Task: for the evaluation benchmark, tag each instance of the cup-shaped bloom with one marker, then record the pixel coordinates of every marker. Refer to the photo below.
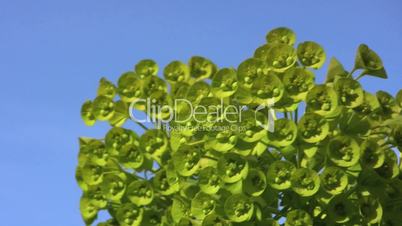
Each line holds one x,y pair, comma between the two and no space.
146,68
285,133
140,192
154,142
298,81
279,174
266,88
224,83
334,180
176,71
280,57
186,160
305,182
232,167
344,151
209,180
312,128
130,87
255,183
201,67
311,54
350,92
103,108
322,99
248,71
202,205
281,35
298,217
129,214
238,208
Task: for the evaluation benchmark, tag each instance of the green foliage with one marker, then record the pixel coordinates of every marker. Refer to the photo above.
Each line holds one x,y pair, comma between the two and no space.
335,164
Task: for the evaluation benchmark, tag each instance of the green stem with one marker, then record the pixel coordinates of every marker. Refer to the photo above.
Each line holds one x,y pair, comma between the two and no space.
360,76
351,72
296,114
209,157
141,125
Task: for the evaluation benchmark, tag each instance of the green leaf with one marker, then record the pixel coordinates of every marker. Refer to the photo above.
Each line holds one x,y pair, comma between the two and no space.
335,71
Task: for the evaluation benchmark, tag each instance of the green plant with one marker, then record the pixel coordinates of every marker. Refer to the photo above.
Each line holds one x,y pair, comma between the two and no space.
335,165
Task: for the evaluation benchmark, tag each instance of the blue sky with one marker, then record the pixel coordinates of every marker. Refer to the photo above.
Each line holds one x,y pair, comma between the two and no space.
52,54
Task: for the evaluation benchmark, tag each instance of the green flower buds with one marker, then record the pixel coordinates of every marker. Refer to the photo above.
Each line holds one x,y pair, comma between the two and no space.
312,128
209,180
297,82
280,57
281,35
238,208
87,114
103,108
249,70
322,100
305,182
279,174
130,87
298,217
129,215
202,205
176,71
267,88
334,180
284,134
113,186
232,167
311,54
201,68
344,151
255,182
349,92
211,149
146,68
154,142
186,160
140,192
224,83
340,209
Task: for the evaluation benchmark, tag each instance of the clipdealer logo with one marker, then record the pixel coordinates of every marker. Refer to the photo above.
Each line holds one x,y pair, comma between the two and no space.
164,114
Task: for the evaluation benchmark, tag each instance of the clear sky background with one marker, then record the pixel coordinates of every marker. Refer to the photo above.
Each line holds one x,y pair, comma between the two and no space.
52,54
